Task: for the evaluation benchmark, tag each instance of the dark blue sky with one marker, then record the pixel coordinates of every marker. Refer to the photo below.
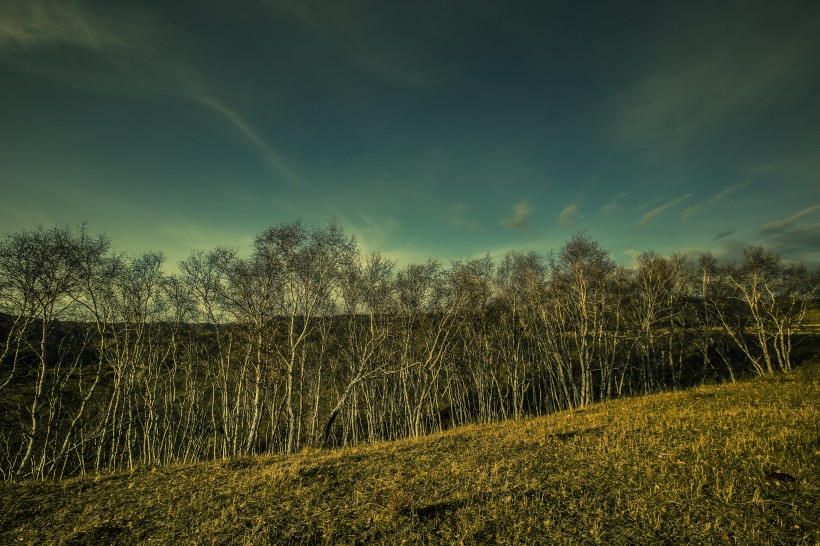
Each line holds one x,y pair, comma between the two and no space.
443,129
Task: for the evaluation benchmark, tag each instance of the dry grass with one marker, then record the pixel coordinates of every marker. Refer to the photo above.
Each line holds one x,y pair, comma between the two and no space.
731,464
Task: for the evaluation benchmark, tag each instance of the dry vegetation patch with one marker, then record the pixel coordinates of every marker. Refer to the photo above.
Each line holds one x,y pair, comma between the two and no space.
730,464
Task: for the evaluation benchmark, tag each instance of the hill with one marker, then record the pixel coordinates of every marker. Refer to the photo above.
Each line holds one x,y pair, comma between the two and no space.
729,464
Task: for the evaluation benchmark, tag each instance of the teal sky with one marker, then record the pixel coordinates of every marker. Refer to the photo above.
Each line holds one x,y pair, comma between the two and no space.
428,128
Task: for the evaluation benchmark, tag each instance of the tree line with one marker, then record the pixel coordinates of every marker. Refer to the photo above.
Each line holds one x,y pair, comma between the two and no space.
108,362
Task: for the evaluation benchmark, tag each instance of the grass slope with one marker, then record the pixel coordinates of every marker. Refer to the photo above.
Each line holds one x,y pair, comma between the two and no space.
726,464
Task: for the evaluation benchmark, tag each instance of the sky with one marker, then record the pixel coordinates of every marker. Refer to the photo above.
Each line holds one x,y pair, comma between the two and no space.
428,129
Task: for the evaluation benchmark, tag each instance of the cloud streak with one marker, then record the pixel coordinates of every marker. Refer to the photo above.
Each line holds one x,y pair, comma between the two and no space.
727,192
32,24
779,226
691,211
654,213
800,243
133,42
731,72
273,158
612,206
722,235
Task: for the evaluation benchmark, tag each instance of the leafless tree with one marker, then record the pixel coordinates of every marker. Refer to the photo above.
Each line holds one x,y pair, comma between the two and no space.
580,279
107,362
770,301
368,305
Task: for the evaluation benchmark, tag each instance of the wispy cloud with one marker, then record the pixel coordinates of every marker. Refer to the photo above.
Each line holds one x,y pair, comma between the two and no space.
731,72
727,192
612,206
521,213
800,243
273,158
31,24
609,208
722,235
568,216
691,211
654,213
794,238
787,223
121,48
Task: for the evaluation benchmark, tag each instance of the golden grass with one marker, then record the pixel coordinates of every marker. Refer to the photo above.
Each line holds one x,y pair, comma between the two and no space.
730,464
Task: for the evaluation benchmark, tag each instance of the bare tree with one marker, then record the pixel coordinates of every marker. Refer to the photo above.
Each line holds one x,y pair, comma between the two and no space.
427,311
770,302
207,279
95,269
473,281
107,362
367,294
306,263
580,279
39,272
657,314
519,281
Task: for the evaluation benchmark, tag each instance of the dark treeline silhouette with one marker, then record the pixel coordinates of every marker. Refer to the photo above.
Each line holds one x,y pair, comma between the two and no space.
107,362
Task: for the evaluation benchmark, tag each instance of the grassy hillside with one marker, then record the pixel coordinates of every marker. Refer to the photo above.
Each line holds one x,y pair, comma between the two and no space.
731,464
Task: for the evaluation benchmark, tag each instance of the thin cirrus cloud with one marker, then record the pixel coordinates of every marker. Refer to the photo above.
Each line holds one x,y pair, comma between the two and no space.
796,237
779,226
612,206
654,213
693,86
270,155
128,48
691,211
31,24
722,235
521,213
569,215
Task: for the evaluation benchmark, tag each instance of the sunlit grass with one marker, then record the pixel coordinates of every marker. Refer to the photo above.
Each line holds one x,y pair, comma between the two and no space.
733,464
